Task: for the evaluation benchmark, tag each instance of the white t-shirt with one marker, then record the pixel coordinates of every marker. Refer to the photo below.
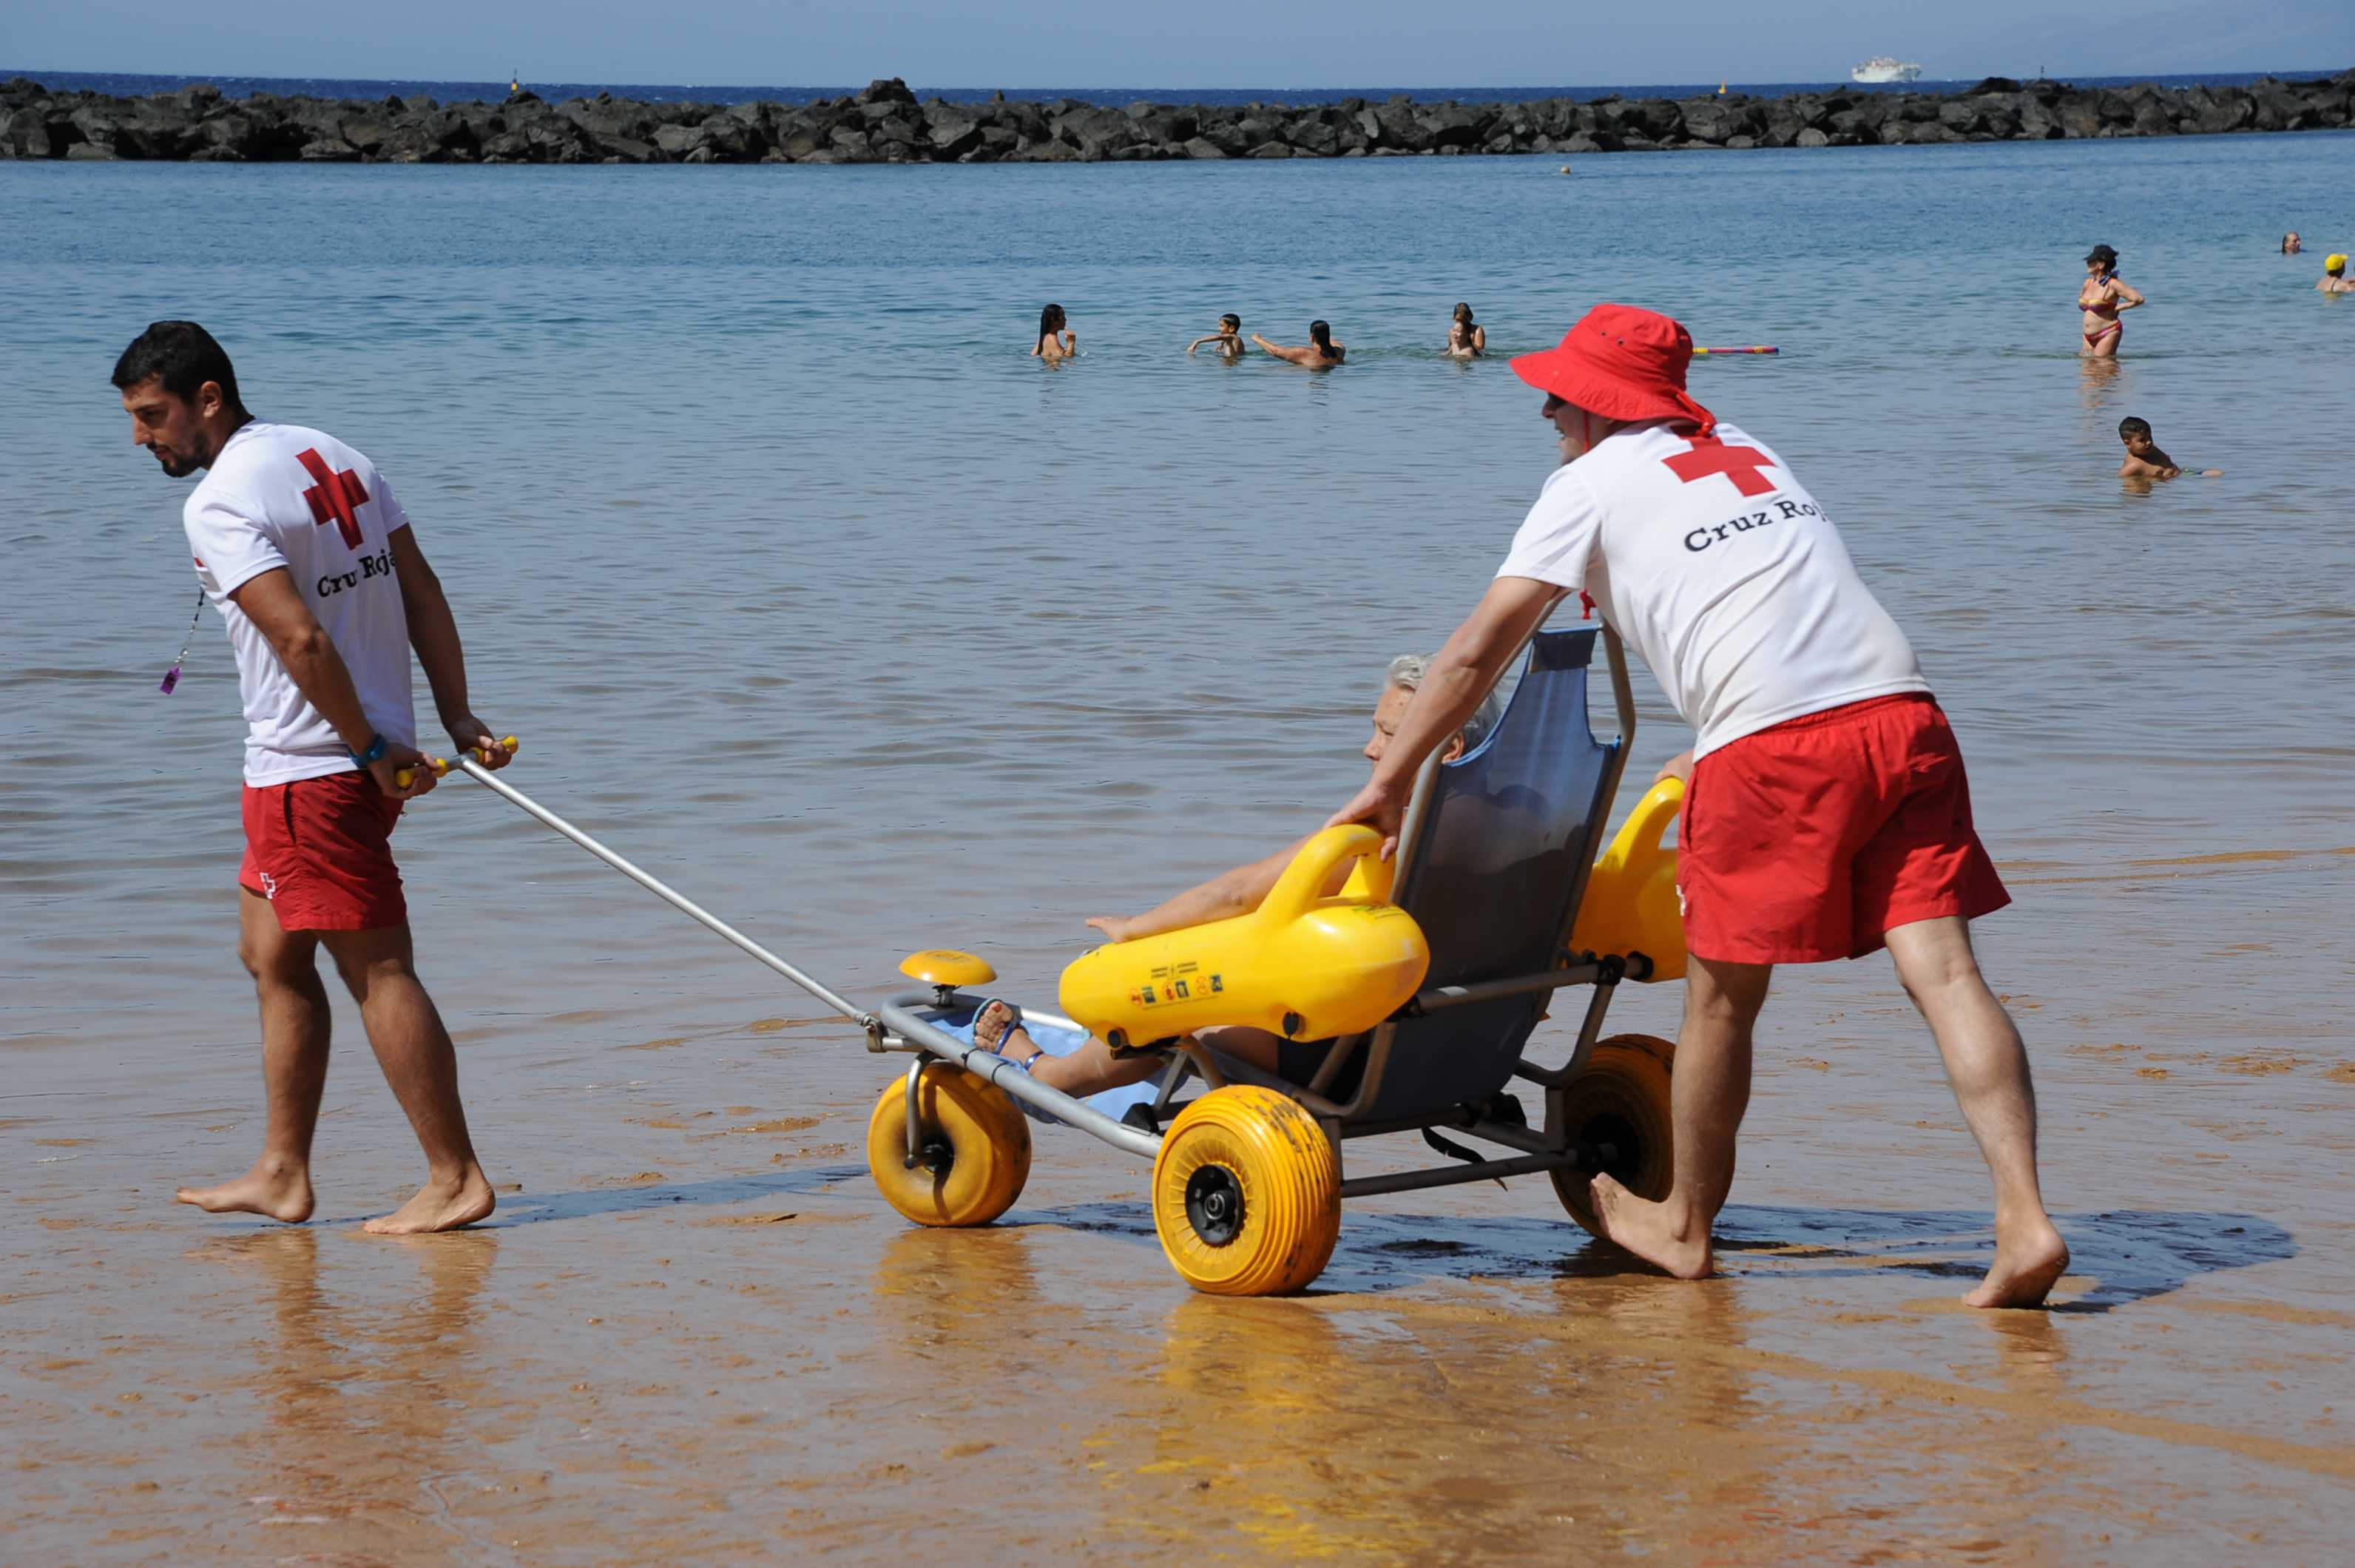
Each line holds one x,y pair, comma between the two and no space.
279,496
1725,574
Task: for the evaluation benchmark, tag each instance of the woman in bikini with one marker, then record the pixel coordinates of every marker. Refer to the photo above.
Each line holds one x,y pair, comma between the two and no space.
2102,295
1055,339
1320,353
1467,339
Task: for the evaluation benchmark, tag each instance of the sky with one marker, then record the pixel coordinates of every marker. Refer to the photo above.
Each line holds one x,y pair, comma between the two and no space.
1203,43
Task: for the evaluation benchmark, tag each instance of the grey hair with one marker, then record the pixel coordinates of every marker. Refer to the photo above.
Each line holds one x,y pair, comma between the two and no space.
1407,671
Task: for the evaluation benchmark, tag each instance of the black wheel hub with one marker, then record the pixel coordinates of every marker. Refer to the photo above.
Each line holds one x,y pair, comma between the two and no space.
1214,1205
936,1156
1611,1146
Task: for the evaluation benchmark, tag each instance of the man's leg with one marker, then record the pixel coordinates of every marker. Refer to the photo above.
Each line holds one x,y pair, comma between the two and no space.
420,1064
1987,1066
1708,1092
294,1025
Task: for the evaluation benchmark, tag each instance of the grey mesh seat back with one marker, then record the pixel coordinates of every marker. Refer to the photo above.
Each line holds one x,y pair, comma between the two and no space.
1498,857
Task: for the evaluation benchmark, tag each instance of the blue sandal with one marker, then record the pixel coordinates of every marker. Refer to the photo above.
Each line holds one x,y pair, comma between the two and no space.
1013,1022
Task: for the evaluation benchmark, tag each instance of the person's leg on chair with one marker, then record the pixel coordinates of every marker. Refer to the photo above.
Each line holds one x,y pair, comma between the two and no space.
1987,1066
294,1025
1708,1092
421,1065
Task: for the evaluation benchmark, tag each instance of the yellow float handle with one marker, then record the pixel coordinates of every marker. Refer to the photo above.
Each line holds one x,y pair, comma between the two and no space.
1303,884
441,765
1648,823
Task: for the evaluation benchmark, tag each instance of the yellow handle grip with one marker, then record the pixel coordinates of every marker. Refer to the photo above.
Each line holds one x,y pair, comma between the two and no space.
1647,823
440,765
1303,882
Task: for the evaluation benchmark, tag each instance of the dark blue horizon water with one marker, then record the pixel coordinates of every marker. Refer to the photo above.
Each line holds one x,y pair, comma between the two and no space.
131,84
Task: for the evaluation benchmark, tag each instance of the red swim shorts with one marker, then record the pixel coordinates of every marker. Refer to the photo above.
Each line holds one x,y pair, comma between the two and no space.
1808,841
321,851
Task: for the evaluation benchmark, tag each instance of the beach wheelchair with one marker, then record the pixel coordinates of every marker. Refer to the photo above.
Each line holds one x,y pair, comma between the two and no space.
1498,901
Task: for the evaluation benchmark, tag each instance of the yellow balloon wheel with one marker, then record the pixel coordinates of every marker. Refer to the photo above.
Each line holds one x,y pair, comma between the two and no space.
973,1148
1621,1099
1247,1193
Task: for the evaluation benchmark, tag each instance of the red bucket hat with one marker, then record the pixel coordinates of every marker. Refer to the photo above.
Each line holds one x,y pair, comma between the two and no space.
1620,363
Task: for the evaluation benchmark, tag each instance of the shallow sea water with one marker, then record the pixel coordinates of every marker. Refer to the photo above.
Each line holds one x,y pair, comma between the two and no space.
811,591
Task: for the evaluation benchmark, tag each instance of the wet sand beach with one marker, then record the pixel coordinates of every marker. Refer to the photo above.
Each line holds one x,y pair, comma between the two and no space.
944,647
697,1333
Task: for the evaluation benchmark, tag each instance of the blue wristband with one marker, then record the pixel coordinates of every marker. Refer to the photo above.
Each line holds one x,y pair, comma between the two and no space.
374,753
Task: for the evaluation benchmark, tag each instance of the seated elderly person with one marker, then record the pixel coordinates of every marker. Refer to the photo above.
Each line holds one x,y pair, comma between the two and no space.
1093,1068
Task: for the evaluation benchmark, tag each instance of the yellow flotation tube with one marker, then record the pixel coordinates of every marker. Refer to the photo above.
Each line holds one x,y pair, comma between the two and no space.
1631,897
1303,965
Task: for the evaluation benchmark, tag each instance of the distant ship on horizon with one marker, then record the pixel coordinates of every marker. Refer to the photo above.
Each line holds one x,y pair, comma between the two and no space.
1885,67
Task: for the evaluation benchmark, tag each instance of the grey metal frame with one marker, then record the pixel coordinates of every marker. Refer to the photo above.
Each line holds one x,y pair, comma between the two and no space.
911,1023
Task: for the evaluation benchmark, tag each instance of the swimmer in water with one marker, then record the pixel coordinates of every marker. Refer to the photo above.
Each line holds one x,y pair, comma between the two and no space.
2334,280
1228,338
1466,339
1320,353
2292,244
2143,460
2102,295
1055,339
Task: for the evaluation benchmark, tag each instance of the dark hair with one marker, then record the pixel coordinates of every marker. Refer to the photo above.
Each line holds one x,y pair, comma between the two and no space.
183,356
1464,313
2292,234
1050,320
1231,319
2132,426
1322,336
2105,255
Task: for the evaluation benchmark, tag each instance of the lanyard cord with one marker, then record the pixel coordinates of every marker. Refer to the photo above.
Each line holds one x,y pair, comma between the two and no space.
172,676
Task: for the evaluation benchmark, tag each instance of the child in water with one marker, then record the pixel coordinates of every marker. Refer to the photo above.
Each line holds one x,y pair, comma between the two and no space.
1228,338
2143,460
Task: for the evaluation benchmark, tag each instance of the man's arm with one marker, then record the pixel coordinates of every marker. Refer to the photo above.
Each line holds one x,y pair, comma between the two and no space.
275,606
1461,673
433,633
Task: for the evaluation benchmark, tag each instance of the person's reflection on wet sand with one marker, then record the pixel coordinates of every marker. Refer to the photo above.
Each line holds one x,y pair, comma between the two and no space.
2030,1353
361,1393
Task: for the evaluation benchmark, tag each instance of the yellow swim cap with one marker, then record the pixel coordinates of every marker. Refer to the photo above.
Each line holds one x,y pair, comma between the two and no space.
2335,263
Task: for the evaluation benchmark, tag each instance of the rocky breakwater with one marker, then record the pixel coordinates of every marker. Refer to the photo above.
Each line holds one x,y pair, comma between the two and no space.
885,125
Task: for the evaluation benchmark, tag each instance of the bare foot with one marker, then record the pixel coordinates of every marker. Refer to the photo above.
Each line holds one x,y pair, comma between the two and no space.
437,1207
2027,1259
1645,1229
276,1188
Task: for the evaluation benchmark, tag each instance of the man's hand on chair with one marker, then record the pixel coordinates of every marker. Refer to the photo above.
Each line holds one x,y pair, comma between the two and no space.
1382,806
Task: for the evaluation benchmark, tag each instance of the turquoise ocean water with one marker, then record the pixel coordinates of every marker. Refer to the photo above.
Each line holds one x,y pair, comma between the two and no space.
806,584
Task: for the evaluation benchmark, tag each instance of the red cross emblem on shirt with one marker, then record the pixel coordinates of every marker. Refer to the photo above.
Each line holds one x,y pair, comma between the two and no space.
1709,456
333,497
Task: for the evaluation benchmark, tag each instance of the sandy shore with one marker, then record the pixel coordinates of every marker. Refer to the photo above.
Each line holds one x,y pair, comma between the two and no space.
694,1331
